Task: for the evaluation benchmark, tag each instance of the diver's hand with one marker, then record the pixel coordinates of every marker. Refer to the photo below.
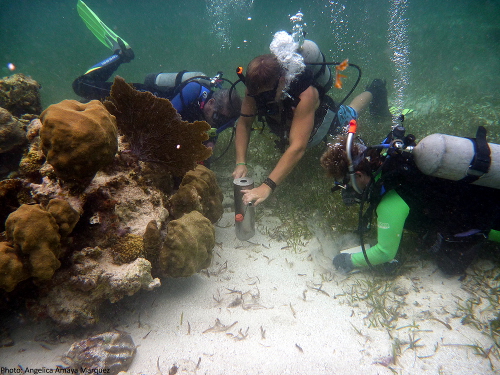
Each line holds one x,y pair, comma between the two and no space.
343,262
240,171
256,195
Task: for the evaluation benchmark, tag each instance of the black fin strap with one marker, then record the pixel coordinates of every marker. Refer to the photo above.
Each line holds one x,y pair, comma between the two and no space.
480,163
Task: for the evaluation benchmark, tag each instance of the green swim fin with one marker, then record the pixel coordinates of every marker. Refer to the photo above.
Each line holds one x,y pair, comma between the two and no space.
395,111
105,35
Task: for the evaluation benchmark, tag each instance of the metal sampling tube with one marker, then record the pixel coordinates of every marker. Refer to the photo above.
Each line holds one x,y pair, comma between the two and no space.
244,215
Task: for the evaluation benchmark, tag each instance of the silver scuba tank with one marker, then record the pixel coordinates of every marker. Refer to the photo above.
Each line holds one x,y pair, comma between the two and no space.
171,80
449,157
312,54
244,215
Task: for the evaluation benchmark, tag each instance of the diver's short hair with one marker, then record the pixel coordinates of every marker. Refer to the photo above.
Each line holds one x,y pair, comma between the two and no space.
262,73
223,101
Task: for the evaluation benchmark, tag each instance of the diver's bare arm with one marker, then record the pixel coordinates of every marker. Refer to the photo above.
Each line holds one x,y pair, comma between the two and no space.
300,131
242,137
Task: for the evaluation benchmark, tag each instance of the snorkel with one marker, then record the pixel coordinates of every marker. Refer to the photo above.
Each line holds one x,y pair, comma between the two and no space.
350,164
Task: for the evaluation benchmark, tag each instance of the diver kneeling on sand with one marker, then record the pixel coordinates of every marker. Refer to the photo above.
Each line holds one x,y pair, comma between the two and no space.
423,189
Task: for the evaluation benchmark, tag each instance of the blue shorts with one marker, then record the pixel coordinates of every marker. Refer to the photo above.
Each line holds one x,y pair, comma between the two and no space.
329,126
345,115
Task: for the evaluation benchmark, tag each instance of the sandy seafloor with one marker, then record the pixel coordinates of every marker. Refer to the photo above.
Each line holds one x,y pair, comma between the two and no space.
264,308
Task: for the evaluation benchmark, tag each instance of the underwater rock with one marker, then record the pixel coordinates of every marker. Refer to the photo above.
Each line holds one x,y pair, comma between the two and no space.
35,234
12,132
155,130
33,157
109,351
117,204
198,191
93,278
78,139
12,270
188,246
12,143
19,94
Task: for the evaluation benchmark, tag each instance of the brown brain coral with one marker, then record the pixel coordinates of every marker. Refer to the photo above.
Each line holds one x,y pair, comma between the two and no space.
198,191
11,268
66,217
188,246
35,233
78,139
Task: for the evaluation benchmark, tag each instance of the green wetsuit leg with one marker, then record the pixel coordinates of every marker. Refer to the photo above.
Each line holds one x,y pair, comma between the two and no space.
494,235
392,212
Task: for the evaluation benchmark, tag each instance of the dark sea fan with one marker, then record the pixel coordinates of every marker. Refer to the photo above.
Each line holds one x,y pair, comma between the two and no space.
155,130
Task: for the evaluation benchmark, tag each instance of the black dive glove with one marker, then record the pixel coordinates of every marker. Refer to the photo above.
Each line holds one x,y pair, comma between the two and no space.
343,262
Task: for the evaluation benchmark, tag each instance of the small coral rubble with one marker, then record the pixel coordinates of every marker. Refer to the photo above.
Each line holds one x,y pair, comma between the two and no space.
155,131
78,139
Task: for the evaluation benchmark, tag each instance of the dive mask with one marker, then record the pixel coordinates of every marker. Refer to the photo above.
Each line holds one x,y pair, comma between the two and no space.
220,119
349,196
266,101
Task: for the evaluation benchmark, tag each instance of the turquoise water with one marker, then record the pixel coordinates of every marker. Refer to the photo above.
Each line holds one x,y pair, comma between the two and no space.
450,66
451,53
454,45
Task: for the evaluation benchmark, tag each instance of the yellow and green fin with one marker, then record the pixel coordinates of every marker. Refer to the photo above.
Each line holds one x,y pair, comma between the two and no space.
396,111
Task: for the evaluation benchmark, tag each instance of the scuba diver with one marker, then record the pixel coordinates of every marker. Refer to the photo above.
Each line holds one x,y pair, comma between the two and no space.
287,90
195,96
451,216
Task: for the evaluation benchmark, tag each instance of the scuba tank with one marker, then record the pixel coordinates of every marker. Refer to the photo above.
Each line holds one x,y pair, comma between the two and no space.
312,55
169,84
171,80
460,159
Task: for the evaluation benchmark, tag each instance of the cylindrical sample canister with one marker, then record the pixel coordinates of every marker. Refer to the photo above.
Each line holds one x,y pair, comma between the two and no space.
244,215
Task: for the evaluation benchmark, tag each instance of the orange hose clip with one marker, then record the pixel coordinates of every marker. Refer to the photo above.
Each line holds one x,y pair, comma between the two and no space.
353,125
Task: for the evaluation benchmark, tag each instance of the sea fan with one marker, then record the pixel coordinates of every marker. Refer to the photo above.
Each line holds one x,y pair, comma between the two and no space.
155,130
